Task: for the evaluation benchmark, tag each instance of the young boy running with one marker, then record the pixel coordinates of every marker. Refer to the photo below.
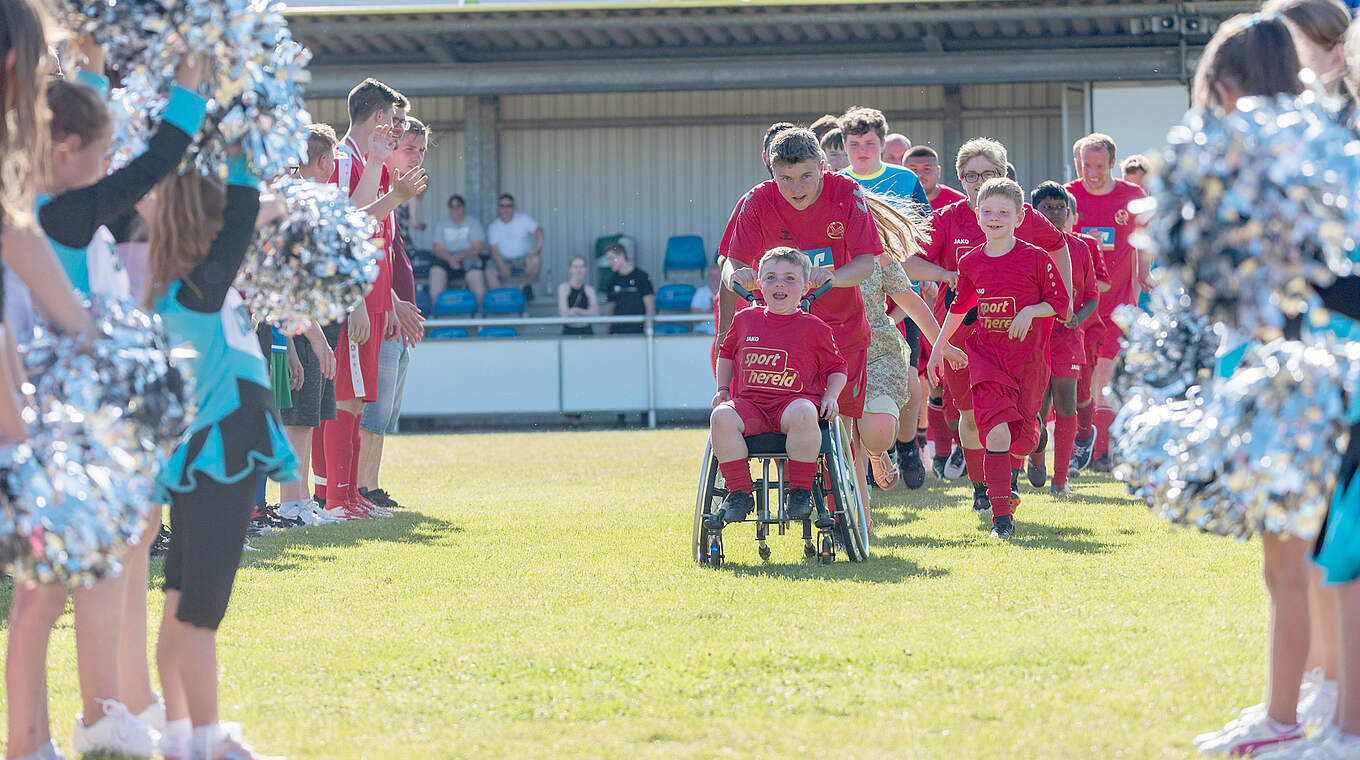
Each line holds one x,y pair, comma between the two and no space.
1011,283
1067,343
778,371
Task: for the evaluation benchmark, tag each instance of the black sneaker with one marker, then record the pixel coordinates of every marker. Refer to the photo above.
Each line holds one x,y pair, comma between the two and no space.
278,521
1102,464
734,508
1015,483
1043,438
259,524
798,505
1061,492
320,501
937,466
909,466
1035,471
380,497
957,466
1081,453
1003,527
161,544
981,503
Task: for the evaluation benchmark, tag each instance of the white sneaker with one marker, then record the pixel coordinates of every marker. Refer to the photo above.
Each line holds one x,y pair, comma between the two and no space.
319,515
222,741
307,510
177,741
119,731
246,547
154,715
334,514
1253,737
1317,704
956,465
1327,744
1246,715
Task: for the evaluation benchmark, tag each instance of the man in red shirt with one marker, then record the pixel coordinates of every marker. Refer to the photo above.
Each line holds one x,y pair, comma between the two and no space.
778,372
954,232
1011,284
1067,343
825,216
1103,213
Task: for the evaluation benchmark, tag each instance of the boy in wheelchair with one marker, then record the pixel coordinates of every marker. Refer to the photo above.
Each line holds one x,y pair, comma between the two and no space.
778,372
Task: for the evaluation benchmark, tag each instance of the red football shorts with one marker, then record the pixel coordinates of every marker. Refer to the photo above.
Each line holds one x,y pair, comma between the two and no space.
1066,352
356,365
757,419
852,396
1110,348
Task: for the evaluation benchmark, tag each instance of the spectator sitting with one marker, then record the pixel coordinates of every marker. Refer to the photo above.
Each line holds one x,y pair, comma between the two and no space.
704,299
630,290
515,236
460,249
576,298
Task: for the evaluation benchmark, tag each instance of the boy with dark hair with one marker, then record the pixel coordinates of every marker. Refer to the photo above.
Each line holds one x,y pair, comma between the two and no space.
819,127
1011,284
1135,170
833,145
629,289
864,130
778,372
925,162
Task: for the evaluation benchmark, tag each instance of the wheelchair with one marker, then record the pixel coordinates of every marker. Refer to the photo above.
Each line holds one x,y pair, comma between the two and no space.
838,518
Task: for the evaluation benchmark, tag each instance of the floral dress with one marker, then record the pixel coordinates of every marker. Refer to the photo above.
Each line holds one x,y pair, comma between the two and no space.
888,355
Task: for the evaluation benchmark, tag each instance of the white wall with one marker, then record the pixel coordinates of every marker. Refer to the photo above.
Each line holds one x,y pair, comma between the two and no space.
1137,114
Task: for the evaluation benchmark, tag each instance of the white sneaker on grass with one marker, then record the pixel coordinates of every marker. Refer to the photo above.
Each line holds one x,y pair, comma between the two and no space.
1253,737
154,715
306,510
956,465
1317,700
222,741
1327,744
118,731
1246,715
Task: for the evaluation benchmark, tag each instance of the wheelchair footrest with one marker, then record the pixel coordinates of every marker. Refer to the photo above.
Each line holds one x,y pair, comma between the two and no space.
824,523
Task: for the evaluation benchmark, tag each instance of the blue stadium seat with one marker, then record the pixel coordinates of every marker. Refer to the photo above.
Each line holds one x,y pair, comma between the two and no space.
423,302
498,331
448,333
505,301
674,297
670,328
421,261
456,302
684,253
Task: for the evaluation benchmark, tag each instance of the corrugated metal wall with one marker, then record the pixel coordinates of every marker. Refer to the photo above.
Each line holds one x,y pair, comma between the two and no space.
654,165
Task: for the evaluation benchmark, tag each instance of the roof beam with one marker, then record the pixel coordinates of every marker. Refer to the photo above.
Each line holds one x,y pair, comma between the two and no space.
714,73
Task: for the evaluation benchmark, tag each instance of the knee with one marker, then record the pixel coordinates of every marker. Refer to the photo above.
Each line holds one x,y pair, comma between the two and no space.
723,419
801,415
38,607
1286,578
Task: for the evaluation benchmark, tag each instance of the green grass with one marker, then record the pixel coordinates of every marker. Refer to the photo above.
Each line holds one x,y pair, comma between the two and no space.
542,603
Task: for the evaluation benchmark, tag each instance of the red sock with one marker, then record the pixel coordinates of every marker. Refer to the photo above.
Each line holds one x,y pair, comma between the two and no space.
799,474
1017,462
998,467
737,475
1064,437
972,459
1084,417
354,462
340,442
319,460
939,431
1103,417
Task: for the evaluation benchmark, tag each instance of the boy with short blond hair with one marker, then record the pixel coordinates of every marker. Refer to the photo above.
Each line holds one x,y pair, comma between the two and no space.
778,372
1011,283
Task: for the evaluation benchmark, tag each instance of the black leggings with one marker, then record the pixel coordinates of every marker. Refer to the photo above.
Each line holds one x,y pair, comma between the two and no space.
207,528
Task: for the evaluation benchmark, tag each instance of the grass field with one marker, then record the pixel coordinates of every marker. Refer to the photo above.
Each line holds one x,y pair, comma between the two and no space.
541,602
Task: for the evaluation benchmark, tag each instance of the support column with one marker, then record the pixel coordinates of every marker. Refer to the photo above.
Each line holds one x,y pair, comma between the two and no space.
481,154
953,130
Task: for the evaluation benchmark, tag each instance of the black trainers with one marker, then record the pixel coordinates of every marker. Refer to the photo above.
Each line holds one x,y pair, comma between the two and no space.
1102,464
1043,438
734,508
980,501
957,465
1081,453
161,544
1003,527
380,497
798,505
278,521
909,466
1035,471
1015,483
937,466
259,523
1061,492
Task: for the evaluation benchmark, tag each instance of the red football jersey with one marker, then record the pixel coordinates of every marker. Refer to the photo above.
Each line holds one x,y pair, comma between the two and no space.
349,168
832,231
1083,281
726,243
776,357
947,196
1000,286
954,231
1107,219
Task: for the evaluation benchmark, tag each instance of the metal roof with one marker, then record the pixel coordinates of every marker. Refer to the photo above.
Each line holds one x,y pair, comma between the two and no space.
512,37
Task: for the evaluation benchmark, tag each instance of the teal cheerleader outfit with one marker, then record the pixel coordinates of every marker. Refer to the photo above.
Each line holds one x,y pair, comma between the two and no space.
1338,548
210,477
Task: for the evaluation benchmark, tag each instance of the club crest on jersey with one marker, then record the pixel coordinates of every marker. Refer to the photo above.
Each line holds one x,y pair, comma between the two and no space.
835,230
1121,216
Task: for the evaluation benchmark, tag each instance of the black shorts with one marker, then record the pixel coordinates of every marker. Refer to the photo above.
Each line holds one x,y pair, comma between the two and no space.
207,528
311,402
332,333
913,336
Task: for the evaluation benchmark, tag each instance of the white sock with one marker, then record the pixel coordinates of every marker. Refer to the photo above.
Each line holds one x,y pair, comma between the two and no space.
1279,727
205,740
176,738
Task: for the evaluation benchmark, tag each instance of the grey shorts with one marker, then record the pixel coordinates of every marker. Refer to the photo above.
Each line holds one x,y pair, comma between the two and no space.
315,400
380,417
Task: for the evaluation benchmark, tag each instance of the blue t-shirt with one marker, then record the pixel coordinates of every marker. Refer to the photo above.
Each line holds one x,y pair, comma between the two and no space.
895,182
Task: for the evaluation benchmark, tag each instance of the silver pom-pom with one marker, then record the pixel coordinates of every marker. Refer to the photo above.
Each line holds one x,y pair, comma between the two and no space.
1254,206
1167,351
1255,451
317,263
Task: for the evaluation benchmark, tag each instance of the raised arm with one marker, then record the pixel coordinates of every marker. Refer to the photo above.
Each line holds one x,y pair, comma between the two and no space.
214,275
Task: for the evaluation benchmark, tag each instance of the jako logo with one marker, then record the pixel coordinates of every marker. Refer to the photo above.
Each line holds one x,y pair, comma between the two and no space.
752,338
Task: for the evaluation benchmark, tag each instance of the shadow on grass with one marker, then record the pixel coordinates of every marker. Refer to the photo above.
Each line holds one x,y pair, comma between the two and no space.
1066,538
878,569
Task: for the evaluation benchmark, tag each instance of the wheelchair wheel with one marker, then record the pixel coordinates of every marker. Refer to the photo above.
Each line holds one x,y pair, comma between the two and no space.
705,502
851,525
